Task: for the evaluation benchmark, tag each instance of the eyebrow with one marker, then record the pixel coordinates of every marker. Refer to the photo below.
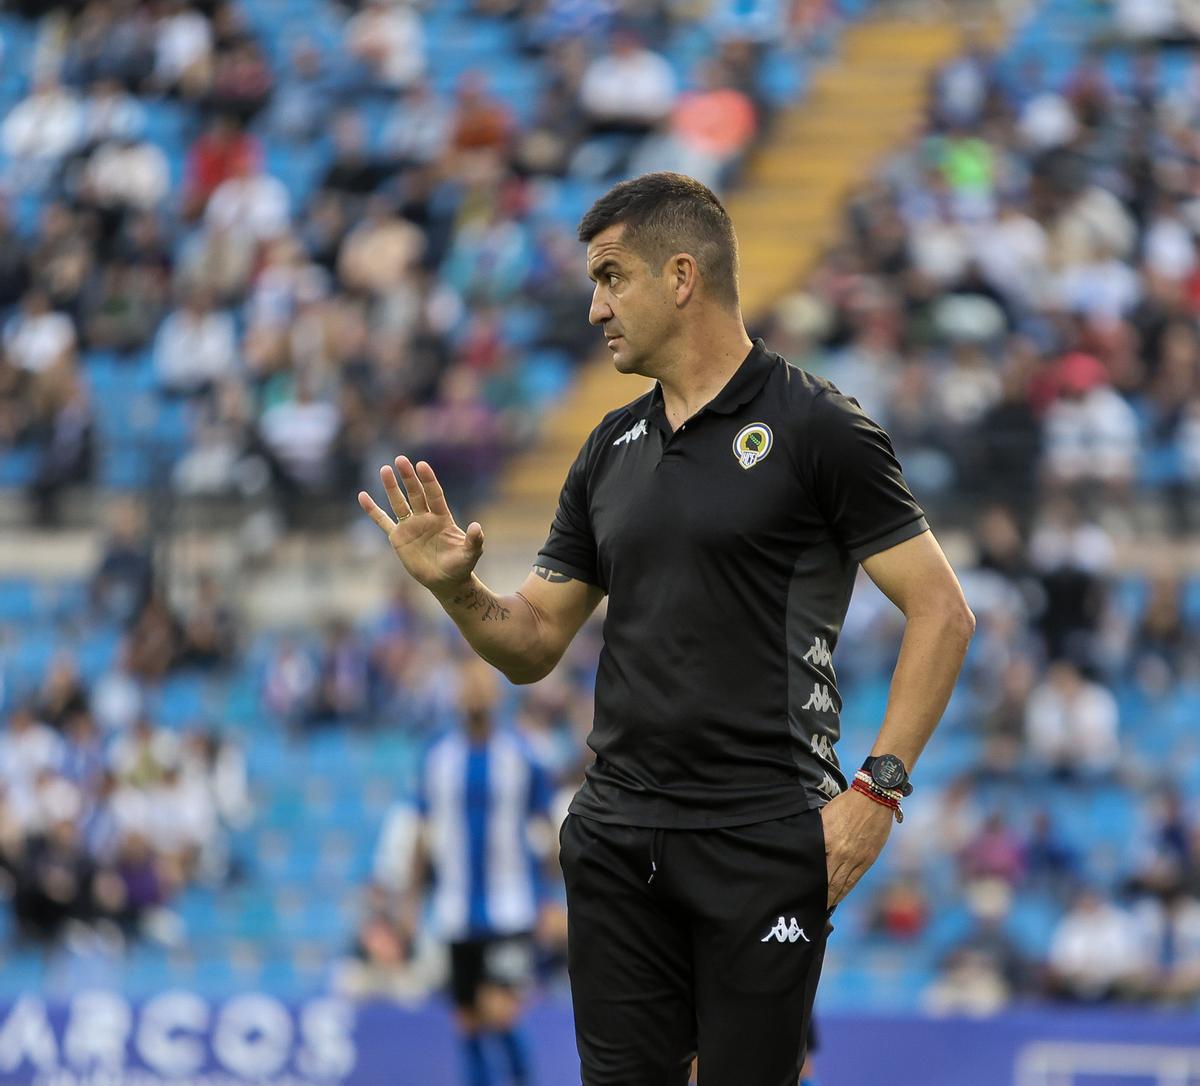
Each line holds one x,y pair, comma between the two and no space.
602,267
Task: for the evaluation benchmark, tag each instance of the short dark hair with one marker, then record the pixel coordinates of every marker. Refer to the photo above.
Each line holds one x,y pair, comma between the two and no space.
666,213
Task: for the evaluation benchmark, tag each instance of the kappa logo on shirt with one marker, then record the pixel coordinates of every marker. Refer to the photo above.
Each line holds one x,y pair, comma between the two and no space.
785,932
631,436
818,654
820,699
823,748
830,787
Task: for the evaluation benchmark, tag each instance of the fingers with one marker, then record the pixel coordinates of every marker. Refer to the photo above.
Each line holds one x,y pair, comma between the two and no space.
412,483
382,520
434,495
475,539
394,494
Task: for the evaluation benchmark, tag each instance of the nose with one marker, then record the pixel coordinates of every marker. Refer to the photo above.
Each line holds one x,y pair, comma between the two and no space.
600,311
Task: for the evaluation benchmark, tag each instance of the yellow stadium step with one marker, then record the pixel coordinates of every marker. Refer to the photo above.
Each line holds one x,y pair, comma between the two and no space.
787,208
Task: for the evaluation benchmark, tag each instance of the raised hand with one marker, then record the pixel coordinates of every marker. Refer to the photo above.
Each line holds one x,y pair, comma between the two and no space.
425,537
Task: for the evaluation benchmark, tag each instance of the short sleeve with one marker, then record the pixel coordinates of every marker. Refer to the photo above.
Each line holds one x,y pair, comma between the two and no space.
857,481
571,545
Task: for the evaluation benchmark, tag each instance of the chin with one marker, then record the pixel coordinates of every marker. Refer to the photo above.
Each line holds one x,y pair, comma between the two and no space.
624,362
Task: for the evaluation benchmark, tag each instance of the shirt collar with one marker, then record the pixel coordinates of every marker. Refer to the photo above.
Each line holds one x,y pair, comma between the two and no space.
740,389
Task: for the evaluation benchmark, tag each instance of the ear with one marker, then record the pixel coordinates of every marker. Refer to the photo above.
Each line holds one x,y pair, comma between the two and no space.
683,274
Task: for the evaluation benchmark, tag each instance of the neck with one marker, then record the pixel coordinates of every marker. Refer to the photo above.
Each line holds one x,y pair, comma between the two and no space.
703,364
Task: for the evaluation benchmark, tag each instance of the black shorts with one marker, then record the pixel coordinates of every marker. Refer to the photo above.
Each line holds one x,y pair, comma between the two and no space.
684,942
505,961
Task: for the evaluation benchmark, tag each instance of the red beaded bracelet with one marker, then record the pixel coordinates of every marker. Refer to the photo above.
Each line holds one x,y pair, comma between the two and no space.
878,797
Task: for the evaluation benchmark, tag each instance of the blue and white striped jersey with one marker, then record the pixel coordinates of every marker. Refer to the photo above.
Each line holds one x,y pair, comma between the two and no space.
477,801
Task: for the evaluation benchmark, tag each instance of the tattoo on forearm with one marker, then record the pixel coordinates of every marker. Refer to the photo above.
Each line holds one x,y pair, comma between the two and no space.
475,600
551,575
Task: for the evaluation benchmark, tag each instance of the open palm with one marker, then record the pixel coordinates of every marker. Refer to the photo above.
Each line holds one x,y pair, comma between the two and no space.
434,549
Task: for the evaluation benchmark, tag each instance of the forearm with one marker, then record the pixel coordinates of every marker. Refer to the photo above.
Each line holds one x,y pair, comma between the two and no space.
931,656
506,631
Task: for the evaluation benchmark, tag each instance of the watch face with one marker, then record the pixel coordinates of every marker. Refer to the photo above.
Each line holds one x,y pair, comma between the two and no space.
888,771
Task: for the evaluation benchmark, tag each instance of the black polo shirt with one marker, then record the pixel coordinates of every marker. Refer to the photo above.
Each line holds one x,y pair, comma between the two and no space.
728,550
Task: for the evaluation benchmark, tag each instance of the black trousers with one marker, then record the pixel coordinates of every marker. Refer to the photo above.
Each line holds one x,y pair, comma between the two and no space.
684,942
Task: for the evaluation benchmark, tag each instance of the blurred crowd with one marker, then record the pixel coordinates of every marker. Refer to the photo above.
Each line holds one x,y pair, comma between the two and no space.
1015,294
393,304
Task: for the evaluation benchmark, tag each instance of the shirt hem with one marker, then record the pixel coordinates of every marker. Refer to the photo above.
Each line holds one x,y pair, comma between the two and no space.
686,818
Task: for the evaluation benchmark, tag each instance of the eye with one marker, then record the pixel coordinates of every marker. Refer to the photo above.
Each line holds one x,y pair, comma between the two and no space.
613,279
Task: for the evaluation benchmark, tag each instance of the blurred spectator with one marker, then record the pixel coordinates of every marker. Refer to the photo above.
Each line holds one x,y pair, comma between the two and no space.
482,123
300,105
1071,725
62,432
183,49
353,171
1072,557
196,346
1095,954
343,677
290,685
222,151
63,694
1052,864
209,632
1091,432
419,129
995,853
629,89
297,437
126,174
388,41
249,202
36,337
53,881
116,697
1170,931
901,910
154,641
122,582
43,128
382,959
111,113
1168,859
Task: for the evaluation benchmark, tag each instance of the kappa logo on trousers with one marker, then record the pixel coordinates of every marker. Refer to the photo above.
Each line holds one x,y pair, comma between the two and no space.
785,932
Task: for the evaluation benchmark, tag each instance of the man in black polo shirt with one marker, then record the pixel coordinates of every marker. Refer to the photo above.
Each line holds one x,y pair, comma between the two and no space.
724,515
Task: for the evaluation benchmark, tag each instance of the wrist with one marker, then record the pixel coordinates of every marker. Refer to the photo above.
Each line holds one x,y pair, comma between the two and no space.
864,786
448,593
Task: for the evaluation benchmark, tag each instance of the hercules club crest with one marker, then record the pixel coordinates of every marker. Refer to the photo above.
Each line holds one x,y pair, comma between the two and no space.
752,444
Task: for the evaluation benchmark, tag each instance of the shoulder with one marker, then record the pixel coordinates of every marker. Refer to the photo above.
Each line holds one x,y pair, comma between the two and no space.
611,427
620,419
801,392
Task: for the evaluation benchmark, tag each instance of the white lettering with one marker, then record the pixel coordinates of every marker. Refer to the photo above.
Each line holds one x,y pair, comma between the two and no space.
253,1036
159,1040
97,1031
327,1030
26,1035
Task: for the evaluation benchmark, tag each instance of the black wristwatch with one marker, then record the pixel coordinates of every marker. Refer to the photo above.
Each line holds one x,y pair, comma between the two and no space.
887,771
